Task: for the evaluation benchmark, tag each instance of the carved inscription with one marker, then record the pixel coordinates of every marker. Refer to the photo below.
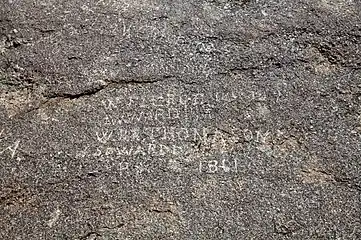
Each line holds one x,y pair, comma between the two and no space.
153,125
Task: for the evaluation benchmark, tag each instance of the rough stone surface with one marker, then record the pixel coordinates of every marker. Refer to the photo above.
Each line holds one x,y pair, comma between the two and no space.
159,119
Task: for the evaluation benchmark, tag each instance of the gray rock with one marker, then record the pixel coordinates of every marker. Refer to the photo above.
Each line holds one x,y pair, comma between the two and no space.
213,119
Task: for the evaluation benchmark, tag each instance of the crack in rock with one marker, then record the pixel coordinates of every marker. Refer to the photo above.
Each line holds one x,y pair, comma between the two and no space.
93,91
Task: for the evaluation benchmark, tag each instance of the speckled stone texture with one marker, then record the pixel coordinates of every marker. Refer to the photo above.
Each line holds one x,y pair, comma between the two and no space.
159,119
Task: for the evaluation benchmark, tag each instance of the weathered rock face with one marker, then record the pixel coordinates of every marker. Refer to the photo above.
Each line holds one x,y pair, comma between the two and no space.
155,119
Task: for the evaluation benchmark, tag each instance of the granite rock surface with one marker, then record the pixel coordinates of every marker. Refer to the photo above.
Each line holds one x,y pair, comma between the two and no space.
158,119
